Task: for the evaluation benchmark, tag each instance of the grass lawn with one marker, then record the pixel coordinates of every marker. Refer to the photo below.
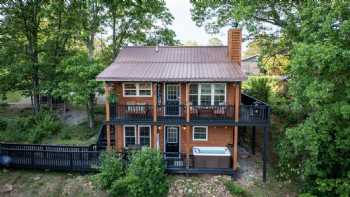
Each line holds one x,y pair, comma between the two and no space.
54,184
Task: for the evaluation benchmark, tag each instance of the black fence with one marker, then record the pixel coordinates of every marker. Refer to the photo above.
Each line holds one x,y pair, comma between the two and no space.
53,157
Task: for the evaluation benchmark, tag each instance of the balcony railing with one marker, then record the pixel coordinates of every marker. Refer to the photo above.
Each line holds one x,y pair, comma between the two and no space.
254,113
212,112
131,112
167,112
248,113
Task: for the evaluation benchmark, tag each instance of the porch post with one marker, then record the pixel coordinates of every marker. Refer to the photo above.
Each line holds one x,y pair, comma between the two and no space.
253,139
266,138
154,136
188,132
154,96
187,102
235,130
108,127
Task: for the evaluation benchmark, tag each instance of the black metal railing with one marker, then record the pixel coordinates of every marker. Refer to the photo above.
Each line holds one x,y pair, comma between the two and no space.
212,112
131,112
181,161
171,111
55,157
254,113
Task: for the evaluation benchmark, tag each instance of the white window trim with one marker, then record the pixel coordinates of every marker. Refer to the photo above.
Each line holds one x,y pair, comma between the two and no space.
206,133
137,90
164,140
135,129
212,93
150,134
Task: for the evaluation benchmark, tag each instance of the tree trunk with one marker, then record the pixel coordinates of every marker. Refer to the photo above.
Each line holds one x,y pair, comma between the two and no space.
90,46
114,44
91,110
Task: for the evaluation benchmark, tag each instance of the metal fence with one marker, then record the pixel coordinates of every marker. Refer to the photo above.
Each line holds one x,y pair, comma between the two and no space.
55,157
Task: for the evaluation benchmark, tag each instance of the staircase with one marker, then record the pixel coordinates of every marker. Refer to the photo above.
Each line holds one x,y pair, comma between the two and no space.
102,138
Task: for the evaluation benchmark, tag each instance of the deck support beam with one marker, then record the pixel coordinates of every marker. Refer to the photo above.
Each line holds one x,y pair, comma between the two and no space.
265,149
108,127
235,130
253,140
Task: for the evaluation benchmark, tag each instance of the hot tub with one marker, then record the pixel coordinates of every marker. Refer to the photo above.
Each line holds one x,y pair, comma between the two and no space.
211,157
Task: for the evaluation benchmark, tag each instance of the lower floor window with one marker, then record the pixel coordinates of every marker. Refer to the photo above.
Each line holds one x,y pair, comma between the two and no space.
145,135
200,133
131,137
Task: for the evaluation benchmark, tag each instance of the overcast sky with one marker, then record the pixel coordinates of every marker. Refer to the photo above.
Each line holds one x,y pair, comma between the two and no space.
185,28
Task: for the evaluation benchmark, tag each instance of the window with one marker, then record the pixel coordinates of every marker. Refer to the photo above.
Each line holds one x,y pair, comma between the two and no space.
131,138
207,94
172,134
145,135
137,89
200,133
129,135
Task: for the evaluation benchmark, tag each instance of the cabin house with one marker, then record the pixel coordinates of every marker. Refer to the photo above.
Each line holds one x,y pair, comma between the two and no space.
185,101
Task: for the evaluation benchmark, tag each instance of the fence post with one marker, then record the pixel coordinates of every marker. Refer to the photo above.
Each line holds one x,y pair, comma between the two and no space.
32,157
71,160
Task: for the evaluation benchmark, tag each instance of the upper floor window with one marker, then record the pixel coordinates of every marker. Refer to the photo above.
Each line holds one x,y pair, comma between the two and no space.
208,94
137,89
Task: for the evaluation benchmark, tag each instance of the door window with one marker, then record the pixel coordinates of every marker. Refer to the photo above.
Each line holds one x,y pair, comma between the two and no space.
172,135
172,92
130,135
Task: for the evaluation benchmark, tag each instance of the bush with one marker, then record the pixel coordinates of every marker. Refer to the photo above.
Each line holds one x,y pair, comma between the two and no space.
258,87
234,189
3,124
111,170
146,174
31,128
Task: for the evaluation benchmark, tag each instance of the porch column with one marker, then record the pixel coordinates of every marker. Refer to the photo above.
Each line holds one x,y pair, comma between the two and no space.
266,138
187,102
188,128
108,127
235,130
253,139
154,101
154,136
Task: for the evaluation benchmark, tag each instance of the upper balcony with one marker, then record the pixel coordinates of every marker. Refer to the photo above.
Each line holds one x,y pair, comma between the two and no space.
251,111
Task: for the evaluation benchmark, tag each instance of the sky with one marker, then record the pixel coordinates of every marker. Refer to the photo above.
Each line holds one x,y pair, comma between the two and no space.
185,28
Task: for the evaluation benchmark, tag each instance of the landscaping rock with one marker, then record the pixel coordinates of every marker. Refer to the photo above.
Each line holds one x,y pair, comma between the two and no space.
6,188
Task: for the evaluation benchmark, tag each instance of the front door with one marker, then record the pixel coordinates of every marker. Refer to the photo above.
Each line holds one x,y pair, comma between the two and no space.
172,99
172,141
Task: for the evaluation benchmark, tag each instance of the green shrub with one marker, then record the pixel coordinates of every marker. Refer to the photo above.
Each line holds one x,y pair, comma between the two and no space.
45,124
258,87
234,189
146,174
3,124
111,173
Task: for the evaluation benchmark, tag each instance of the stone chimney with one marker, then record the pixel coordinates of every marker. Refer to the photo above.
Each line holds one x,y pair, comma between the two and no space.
234,45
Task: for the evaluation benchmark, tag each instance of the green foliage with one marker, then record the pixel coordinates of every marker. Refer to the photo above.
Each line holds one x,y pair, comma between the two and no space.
234,189
31,129
111,170
3,124
258,87
146,174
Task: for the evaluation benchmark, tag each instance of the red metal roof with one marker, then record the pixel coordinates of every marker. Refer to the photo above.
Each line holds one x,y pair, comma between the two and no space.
172,64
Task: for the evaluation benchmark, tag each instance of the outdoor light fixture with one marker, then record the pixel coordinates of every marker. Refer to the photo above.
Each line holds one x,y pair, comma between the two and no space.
159,127
184,128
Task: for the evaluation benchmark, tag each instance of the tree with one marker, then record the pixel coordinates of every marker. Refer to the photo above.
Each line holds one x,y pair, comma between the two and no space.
138,22
80,86
314,37
26,17
214,41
